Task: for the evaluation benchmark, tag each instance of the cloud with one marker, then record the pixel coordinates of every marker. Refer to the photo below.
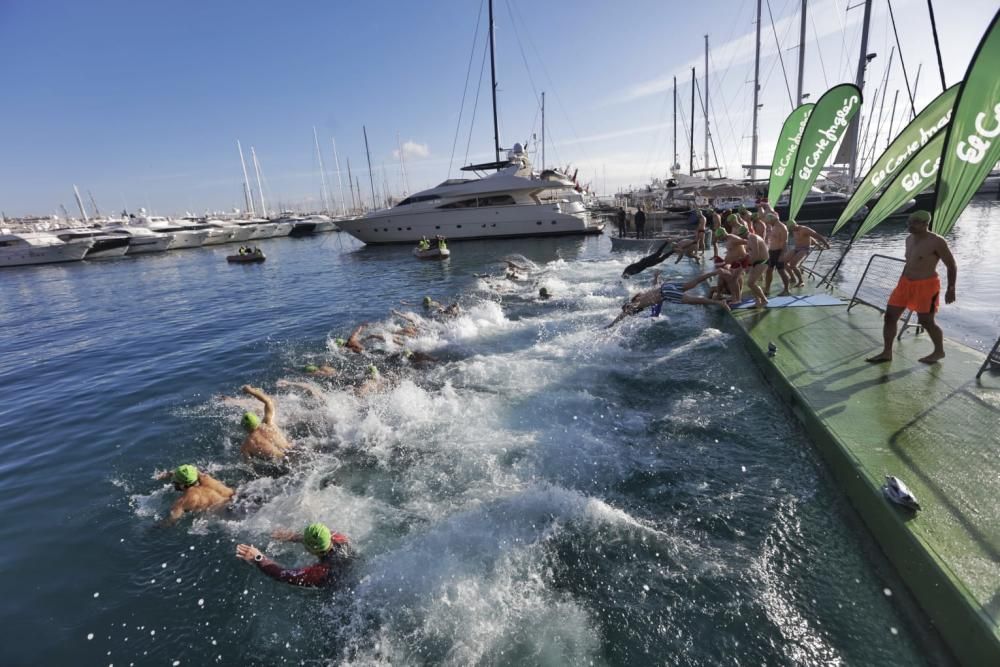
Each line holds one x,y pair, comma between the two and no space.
411,150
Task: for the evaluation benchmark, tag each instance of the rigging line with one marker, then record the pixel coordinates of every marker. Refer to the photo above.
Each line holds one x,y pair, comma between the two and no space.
902,62
711,137
472,124
737,141
822,64
524,59
465,90
777,45
657,145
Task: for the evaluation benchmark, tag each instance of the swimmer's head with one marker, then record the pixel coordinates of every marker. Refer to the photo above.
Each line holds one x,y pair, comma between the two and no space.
185,475
310,368
770,218
743,231
732,218
919,219
372,371
427,302
755,216
720,233
250,421
316,538
340,342
544,293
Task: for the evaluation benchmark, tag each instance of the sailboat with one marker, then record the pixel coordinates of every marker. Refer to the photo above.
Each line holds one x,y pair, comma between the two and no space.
504,204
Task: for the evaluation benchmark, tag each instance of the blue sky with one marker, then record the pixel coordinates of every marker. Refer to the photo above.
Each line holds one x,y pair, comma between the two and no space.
141,103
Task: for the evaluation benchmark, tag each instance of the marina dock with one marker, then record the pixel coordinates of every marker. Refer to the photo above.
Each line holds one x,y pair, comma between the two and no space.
934,427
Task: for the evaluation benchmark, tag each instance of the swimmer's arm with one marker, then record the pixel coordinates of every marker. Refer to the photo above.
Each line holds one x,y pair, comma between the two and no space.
408,318
286,535
310,387
162,474
269,409
176,512
353,343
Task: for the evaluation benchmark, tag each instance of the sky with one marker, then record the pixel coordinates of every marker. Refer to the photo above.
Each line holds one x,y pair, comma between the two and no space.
140,104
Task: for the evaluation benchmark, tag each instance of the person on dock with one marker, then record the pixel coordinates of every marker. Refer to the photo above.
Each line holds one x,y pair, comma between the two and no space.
758,257
199,491
737,259
264,439
777,238
333,551
919,287
699,233
668,292
802,240
640,223
622,228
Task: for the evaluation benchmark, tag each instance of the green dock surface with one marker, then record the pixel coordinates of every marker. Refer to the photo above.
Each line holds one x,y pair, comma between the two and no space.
935,427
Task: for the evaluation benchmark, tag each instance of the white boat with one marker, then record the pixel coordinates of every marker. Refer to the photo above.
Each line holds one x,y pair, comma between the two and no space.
23,248
141,240
104,246
322,223
238,233
283,228
505,204
183,238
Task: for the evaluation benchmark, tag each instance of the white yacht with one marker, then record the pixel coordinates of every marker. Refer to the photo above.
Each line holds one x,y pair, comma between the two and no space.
238,233
183,238
505,204
141,240
105,246
22,248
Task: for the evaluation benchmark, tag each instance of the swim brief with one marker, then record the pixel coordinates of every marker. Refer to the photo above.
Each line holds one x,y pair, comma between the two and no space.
740,263
774,258
920,296
760,261
672,292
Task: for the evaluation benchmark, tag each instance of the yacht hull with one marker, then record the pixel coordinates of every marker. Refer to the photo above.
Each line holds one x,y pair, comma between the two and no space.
24,256
141,245
468,223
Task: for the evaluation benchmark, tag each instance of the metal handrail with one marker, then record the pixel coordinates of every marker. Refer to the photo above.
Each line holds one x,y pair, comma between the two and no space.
857,299
992,359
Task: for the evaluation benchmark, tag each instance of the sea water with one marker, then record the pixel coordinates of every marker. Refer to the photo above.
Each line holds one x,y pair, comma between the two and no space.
549,492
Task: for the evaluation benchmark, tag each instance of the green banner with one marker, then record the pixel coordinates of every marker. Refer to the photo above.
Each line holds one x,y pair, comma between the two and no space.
784,152
827,124
931,121
911,178
972,142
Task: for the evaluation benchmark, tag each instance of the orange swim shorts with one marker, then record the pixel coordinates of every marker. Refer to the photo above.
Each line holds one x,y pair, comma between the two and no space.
920,296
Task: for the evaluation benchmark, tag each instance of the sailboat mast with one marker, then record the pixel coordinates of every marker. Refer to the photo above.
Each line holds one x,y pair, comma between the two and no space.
706,102
493,79
937,44
371,179
676,163
350,185
860,83
260,188
543,130
340,180
691,167
246,181
802,51
93,204
322,173
756,93
402,167
79,202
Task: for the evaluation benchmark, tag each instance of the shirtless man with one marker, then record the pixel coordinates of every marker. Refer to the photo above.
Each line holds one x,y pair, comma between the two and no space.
919,287
323,371
667,292
737,260
354,342
777,239
757,250
264,440
199,491
802,238
758,227
699,232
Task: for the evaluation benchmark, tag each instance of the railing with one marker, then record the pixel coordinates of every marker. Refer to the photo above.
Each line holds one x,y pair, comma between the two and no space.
876,284
992,359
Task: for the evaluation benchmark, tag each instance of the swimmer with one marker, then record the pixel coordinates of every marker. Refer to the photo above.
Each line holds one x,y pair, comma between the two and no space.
323,371
199,491
332,550
802,239
758,256
264,440
544,294
669,292
311,388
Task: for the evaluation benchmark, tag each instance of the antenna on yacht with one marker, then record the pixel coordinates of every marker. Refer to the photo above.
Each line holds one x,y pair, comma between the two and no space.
493,79
246,181
336,161
79,202
260,188
371,179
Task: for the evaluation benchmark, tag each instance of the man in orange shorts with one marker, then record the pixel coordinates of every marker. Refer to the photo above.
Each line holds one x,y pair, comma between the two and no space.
919,287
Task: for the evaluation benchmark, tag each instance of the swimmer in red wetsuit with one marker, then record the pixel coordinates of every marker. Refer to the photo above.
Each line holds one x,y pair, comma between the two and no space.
332,549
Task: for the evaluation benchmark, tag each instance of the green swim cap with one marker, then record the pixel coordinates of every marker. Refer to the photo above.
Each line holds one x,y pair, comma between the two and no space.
790,224
427,301
921,216
310,368
755,216
316,537
743,231
340,342
732,218
720,233
186,475
372,371
250,421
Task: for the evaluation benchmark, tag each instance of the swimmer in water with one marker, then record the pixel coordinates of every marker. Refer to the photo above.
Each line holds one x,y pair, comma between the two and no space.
199,491
264,439
669,292
323,371
333,551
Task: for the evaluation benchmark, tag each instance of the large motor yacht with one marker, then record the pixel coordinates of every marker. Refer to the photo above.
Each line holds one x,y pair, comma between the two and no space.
21,248
504,204
183,237
104,246
141,240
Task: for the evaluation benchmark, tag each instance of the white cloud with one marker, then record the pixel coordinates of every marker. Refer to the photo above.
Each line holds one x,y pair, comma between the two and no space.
412,149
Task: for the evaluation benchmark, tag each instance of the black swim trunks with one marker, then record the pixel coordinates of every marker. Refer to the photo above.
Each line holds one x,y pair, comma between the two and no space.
774,259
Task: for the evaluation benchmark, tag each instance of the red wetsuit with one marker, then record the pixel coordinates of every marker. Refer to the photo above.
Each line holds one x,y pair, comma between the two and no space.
326,572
